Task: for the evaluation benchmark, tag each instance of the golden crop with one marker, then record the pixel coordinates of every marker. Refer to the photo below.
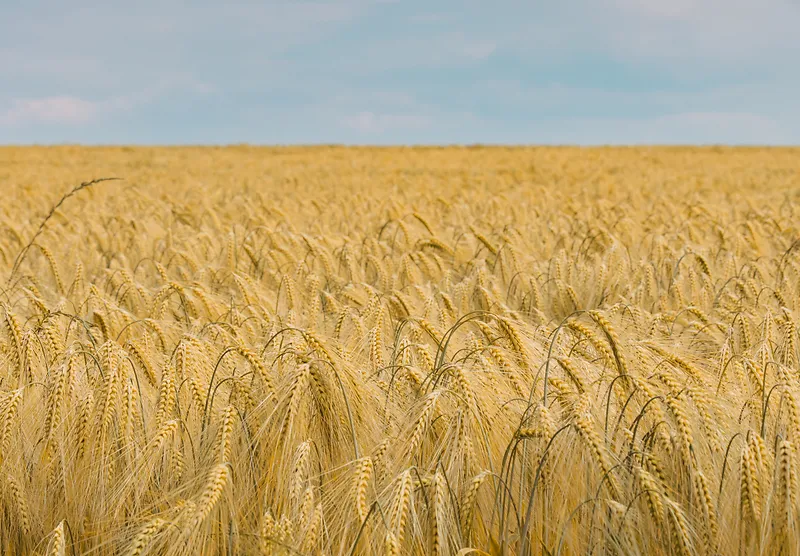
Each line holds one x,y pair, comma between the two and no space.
401,351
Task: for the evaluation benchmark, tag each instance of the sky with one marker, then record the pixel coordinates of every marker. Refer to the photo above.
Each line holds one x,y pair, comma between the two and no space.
400,72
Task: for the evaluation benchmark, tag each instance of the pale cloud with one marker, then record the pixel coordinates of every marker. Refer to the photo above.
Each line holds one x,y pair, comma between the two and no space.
480,50
442,49
711,127
16,65
729,98
49,110
107,47
722,123
746,128
428,18
403,70
730,31
75,110
67,110
682,37
372,123
756,113
743,128
379,98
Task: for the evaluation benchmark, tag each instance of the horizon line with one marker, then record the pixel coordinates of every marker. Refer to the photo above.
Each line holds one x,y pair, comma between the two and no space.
407,145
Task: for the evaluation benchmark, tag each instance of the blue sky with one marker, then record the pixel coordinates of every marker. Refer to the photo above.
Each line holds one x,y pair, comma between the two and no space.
400,72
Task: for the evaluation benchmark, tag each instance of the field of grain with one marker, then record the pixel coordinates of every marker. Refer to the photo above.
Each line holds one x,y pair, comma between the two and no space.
400,351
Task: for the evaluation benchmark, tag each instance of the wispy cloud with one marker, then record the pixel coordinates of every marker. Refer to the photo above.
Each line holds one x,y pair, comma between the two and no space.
76,110
725,98
721,31
742,128
49,110
401,70
713,127
440,49
372,123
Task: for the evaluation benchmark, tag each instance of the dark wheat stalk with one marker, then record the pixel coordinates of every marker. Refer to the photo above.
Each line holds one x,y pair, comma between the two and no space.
18,260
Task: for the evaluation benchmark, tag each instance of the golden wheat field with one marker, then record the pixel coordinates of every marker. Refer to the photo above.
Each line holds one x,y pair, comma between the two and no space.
447,351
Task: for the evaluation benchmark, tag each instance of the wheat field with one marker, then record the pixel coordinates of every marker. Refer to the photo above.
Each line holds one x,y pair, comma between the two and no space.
446,351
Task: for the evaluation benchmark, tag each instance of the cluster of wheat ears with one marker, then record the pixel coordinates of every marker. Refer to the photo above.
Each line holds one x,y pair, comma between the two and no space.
400,351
